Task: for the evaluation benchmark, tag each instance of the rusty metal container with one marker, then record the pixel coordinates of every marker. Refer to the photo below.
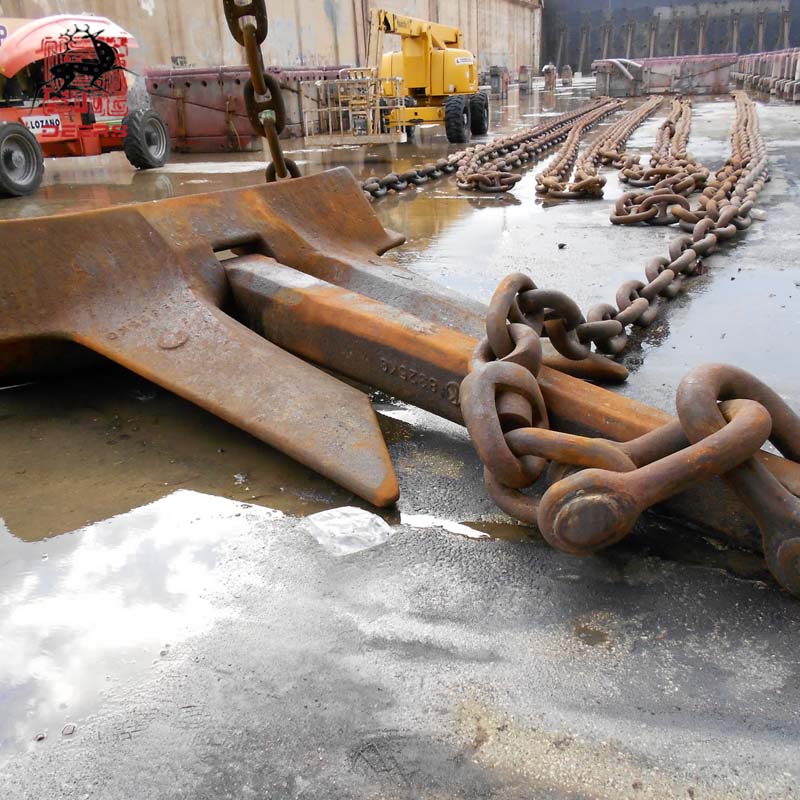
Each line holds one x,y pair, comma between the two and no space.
620,77
204,107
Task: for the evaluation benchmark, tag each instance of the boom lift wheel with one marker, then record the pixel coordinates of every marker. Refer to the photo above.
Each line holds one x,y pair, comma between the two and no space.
147,144
479,111
457,119
21,161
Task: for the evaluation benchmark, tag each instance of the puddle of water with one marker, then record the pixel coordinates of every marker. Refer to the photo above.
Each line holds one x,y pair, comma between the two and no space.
587,634
427,521
97,609
84,448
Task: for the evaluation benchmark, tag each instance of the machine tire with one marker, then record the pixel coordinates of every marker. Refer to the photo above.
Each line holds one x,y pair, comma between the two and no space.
147,145
457,119
21,161
410,130
479,112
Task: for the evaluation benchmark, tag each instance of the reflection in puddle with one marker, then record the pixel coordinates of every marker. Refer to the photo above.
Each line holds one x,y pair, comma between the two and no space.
93,610
426,521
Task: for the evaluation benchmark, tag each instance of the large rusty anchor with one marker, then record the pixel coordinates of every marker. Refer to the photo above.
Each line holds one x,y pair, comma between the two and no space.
142,286
164,289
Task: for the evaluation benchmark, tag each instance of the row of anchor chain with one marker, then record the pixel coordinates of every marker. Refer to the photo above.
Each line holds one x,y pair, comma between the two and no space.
596,488
484,167
487,169
724,208
249,26
672,171
552,180
607,148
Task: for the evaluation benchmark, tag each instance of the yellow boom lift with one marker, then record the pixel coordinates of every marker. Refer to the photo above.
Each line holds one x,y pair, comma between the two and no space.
439,77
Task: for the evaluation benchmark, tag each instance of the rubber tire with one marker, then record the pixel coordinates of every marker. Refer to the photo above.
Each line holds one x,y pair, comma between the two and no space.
479,114
137,149
8,186
410,130
457,119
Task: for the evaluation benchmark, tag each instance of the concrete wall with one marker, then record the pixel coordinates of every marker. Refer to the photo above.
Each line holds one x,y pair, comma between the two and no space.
302,32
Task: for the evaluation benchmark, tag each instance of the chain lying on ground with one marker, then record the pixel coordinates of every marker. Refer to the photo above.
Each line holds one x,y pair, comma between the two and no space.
599,488
485,167
672,171
552,180
607,148
724,208
249,25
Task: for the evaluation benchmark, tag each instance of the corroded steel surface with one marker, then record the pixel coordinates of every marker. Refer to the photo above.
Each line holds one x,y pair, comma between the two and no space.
695,74
776,72
144,289
424,364
599,489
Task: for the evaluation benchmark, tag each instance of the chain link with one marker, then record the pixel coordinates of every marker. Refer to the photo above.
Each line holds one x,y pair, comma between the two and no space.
552,180
672,171
249,26
724,208
598,488
486,167
607,148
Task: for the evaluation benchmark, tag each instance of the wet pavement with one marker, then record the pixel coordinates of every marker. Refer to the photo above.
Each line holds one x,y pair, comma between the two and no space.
161,594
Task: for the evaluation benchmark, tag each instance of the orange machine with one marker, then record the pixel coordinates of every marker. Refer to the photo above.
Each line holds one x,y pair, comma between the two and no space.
64,92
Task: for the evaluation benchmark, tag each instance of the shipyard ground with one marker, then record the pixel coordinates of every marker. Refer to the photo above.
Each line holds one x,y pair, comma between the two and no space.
160,590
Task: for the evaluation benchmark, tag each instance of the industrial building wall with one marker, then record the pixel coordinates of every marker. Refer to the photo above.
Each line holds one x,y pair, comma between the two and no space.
580,31
302,32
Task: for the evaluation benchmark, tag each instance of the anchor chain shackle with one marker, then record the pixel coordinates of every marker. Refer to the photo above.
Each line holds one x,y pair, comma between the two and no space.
599,488
775,509
249,25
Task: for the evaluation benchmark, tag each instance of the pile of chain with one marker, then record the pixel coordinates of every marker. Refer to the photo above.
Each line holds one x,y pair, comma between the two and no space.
724,208
552,180
485,167
606,149
599,488
672,172
249,25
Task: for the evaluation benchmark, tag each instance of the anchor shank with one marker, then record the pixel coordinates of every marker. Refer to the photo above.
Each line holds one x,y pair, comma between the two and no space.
369,341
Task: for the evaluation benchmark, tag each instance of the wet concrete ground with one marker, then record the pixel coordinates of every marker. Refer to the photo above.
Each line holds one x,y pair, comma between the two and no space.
208,647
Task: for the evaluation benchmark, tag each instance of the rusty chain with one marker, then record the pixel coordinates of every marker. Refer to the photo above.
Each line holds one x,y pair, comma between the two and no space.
552,180
249,24
485,167
607,148
597,489
672,171
724,208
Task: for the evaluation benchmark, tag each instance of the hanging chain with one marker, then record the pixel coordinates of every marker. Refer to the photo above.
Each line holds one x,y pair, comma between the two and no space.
249,25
